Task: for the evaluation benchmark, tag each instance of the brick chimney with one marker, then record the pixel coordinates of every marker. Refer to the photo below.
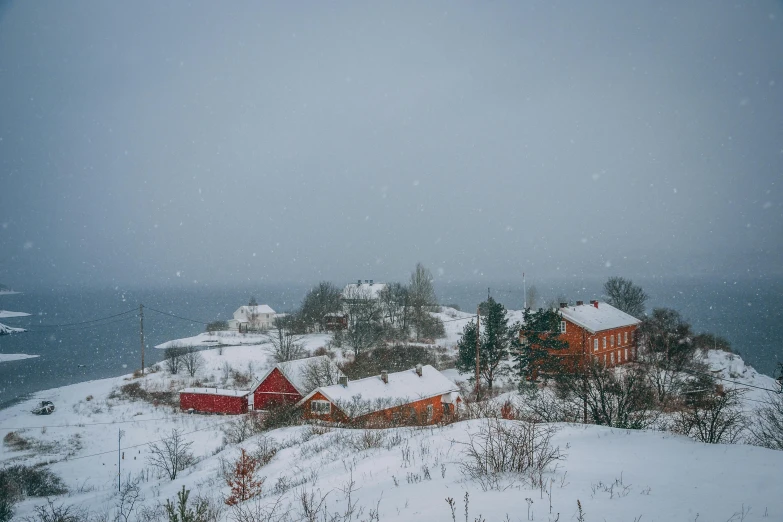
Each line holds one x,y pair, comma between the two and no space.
343,381
594,303
418,370
385,376
563,305
580,303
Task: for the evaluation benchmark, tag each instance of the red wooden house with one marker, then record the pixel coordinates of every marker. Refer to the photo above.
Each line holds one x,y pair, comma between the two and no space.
418,396
288,383
214,400
284,383
599,330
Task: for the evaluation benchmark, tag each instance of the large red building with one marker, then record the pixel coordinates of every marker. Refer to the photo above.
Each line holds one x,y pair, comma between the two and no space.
599,330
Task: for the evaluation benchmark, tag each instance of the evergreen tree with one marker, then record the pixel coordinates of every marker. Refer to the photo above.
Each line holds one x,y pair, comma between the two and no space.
242,481
497,340
540,345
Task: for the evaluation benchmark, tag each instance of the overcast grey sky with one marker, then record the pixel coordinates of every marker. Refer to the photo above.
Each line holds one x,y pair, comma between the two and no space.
158,142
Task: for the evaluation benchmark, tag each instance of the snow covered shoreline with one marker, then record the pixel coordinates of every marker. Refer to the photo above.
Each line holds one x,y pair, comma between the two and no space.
7,357
8,313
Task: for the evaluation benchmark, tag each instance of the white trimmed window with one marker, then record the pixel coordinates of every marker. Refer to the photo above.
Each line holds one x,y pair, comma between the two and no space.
562,327
604,359
429,412
321,407
595,345
626,354
604,343
619,340
626,337
612,357
611,340
619,356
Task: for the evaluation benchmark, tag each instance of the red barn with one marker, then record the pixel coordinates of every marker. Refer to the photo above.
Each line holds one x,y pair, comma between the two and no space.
288,382
419,396
600,330
214,400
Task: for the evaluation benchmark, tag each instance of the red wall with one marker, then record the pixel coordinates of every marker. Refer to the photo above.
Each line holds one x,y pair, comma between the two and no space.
208,403
275,389
412,413
580,339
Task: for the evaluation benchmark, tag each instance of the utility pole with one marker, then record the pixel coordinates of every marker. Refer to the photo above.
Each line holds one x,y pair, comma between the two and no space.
119,462
141,332
478,344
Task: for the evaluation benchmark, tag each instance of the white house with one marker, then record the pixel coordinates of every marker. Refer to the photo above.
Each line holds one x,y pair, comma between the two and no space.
249,318
366,290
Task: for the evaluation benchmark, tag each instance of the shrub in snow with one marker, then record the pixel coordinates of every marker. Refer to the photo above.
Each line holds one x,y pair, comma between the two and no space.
767,428
517,447
715,419
171,454
181,512
242,480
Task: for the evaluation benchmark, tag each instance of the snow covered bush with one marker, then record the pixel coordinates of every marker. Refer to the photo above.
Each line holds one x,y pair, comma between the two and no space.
509,447
767,427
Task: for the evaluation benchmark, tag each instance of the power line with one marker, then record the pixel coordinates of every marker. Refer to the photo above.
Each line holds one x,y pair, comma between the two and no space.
82,322
146,443
694,372
79,328
177,316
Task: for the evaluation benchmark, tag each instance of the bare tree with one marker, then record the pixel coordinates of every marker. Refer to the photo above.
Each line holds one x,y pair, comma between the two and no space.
172,358
192,360
767,427
665,343
321,372
532,297
715,419
130,495
285,345
364,325
421,296
613,397
319,301
626,296
171,454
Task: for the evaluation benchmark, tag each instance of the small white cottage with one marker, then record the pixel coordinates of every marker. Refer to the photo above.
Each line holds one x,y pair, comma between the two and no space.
252,318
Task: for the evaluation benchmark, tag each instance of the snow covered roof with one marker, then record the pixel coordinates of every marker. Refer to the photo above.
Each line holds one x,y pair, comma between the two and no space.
595,319
370,290
403,388
216,391
243,311
294,371
5,329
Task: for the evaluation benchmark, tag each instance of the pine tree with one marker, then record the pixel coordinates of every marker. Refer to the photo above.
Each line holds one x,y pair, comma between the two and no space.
242,481
497,340
540,345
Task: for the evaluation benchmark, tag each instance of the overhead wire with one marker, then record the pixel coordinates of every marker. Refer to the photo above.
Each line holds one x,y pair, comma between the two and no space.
83,322
174,315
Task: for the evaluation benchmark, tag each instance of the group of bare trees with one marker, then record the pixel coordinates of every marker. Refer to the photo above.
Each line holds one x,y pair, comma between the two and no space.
187,358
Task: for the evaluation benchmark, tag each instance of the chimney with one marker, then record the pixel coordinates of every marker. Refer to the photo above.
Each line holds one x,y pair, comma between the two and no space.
580,303
563,305
343,381
594,303
358,281
385,376
370,282
418,370
366,281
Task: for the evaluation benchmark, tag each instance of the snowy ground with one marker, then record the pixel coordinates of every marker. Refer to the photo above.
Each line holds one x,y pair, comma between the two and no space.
8,313
6,357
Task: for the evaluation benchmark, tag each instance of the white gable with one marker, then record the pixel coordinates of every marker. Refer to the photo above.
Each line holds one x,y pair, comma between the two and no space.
604,317
243,312
294,371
